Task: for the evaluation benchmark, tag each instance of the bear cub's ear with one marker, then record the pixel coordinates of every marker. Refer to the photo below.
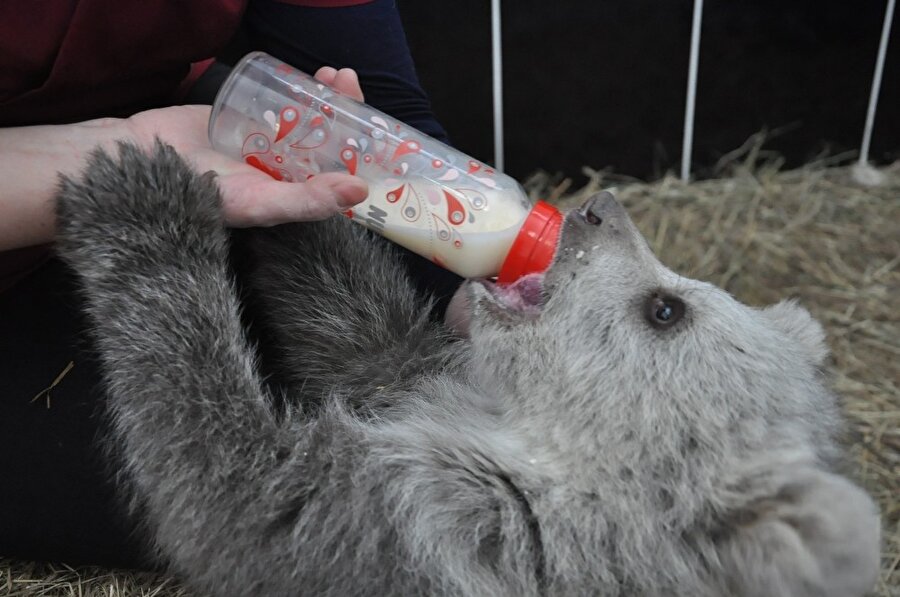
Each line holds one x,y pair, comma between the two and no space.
796,322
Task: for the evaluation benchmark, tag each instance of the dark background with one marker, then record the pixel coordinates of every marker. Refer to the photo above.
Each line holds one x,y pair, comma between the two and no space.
602,82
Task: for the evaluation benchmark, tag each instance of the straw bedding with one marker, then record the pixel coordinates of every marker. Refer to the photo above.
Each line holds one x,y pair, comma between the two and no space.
763,235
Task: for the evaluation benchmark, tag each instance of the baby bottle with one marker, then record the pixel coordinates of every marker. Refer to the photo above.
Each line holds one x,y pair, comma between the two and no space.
423,194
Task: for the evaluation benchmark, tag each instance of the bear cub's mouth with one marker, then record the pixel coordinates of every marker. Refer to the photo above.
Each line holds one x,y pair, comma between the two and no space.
525,295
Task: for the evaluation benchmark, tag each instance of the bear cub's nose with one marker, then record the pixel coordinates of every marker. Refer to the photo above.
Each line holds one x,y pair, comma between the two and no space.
599,207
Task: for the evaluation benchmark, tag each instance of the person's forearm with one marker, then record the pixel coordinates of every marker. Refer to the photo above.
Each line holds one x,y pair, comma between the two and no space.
31,159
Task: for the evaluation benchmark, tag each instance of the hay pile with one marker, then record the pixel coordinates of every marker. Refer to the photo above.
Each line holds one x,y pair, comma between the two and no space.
763,235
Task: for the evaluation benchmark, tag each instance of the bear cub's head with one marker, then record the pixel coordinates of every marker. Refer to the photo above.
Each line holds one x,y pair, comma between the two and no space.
611,348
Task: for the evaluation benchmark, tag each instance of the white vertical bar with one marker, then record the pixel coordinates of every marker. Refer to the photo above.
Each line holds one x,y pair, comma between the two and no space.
688,139
876,83
497,61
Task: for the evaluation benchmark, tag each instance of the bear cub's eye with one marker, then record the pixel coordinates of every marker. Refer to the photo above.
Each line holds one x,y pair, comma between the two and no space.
663,311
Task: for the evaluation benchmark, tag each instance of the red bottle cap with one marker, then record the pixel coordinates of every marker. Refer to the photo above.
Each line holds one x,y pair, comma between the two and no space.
535,245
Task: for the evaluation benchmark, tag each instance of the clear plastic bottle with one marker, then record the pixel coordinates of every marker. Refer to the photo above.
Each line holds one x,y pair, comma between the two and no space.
423,194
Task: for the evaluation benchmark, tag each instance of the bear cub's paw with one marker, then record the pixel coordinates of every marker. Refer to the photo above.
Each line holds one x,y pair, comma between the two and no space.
139,206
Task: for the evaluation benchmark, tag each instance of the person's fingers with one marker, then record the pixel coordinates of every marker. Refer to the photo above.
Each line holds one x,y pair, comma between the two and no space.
347,82
348,190
326,74
266,202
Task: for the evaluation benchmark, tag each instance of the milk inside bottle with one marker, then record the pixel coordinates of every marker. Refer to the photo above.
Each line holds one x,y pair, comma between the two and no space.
423,194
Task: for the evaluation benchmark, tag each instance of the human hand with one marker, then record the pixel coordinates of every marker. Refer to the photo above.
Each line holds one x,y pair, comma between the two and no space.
251,197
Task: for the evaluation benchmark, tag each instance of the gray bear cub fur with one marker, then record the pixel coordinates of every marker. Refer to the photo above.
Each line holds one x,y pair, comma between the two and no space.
575,448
